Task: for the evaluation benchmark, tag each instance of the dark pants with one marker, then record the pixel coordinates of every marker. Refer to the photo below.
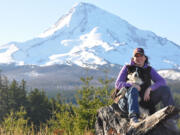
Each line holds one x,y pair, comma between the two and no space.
163,94
129,103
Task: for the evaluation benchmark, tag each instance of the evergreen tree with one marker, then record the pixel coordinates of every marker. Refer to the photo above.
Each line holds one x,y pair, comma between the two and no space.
39,107
17,95
12,96
4,97
89,100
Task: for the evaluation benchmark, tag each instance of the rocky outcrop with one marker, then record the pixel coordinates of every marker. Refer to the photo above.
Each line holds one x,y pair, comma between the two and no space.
112,121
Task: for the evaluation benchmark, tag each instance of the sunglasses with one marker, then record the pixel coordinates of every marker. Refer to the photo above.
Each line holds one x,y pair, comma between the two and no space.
138,55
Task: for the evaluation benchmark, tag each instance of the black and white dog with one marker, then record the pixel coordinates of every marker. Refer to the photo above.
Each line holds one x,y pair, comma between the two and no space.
135,78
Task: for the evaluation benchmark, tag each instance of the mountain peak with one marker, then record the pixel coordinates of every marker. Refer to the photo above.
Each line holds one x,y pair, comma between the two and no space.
83,5
79,9
88,35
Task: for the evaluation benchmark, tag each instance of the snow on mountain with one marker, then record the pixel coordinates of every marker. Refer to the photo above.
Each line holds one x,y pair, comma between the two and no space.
90,36
170,74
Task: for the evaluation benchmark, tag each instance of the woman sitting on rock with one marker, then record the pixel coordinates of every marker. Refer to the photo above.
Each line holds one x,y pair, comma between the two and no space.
151,94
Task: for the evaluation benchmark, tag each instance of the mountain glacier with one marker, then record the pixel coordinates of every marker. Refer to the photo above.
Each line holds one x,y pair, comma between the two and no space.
90,36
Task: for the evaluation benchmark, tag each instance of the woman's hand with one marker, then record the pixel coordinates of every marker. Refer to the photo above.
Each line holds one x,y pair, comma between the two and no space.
147,94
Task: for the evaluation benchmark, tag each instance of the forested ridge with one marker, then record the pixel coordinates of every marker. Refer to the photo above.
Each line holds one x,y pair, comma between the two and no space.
71,113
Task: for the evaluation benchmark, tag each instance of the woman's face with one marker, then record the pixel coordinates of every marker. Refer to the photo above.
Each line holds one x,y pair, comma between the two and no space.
139,59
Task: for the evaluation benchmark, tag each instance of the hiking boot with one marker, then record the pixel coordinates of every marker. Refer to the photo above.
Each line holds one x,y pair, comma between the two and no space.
134,119
134,122
171,124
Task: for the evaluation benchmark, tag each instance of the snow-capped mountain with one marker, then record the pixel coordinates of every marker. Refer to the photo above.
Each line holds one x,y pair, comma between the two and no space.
90,36
170,74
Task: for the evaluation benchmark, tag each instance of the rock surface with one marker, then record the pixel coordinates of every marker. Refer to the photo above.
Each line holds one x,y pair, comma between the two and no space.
111,121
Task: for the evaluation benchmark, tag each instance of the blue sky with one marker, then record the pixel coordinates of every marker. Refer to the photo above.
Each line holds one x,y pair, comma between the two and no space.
22,20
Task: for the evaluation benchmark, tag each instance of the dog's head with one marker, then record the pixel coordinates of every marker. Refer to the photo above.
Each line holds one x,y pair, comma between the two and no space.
134,77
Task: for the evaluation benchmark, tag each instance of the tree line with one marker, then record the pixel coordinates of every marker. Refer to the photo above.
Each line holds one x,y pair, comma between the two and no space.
34,110
31,112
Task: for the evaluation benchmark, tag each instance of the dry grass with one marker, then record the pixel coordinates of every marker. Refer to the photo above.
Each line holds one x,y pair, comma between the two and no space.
41,132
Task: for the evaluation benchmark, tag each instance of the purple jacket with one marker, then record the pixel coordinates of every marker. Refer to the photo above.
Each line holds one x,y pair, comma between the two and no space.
156,78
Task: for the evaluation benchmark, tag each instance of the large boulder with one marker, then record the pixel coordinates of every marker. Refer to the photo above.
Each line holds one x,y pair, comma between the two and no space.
112,121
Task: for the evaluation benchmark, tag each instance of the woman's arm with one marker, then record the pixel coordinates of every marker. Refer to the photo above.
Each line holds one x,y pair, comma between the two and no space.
157,79
121,79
